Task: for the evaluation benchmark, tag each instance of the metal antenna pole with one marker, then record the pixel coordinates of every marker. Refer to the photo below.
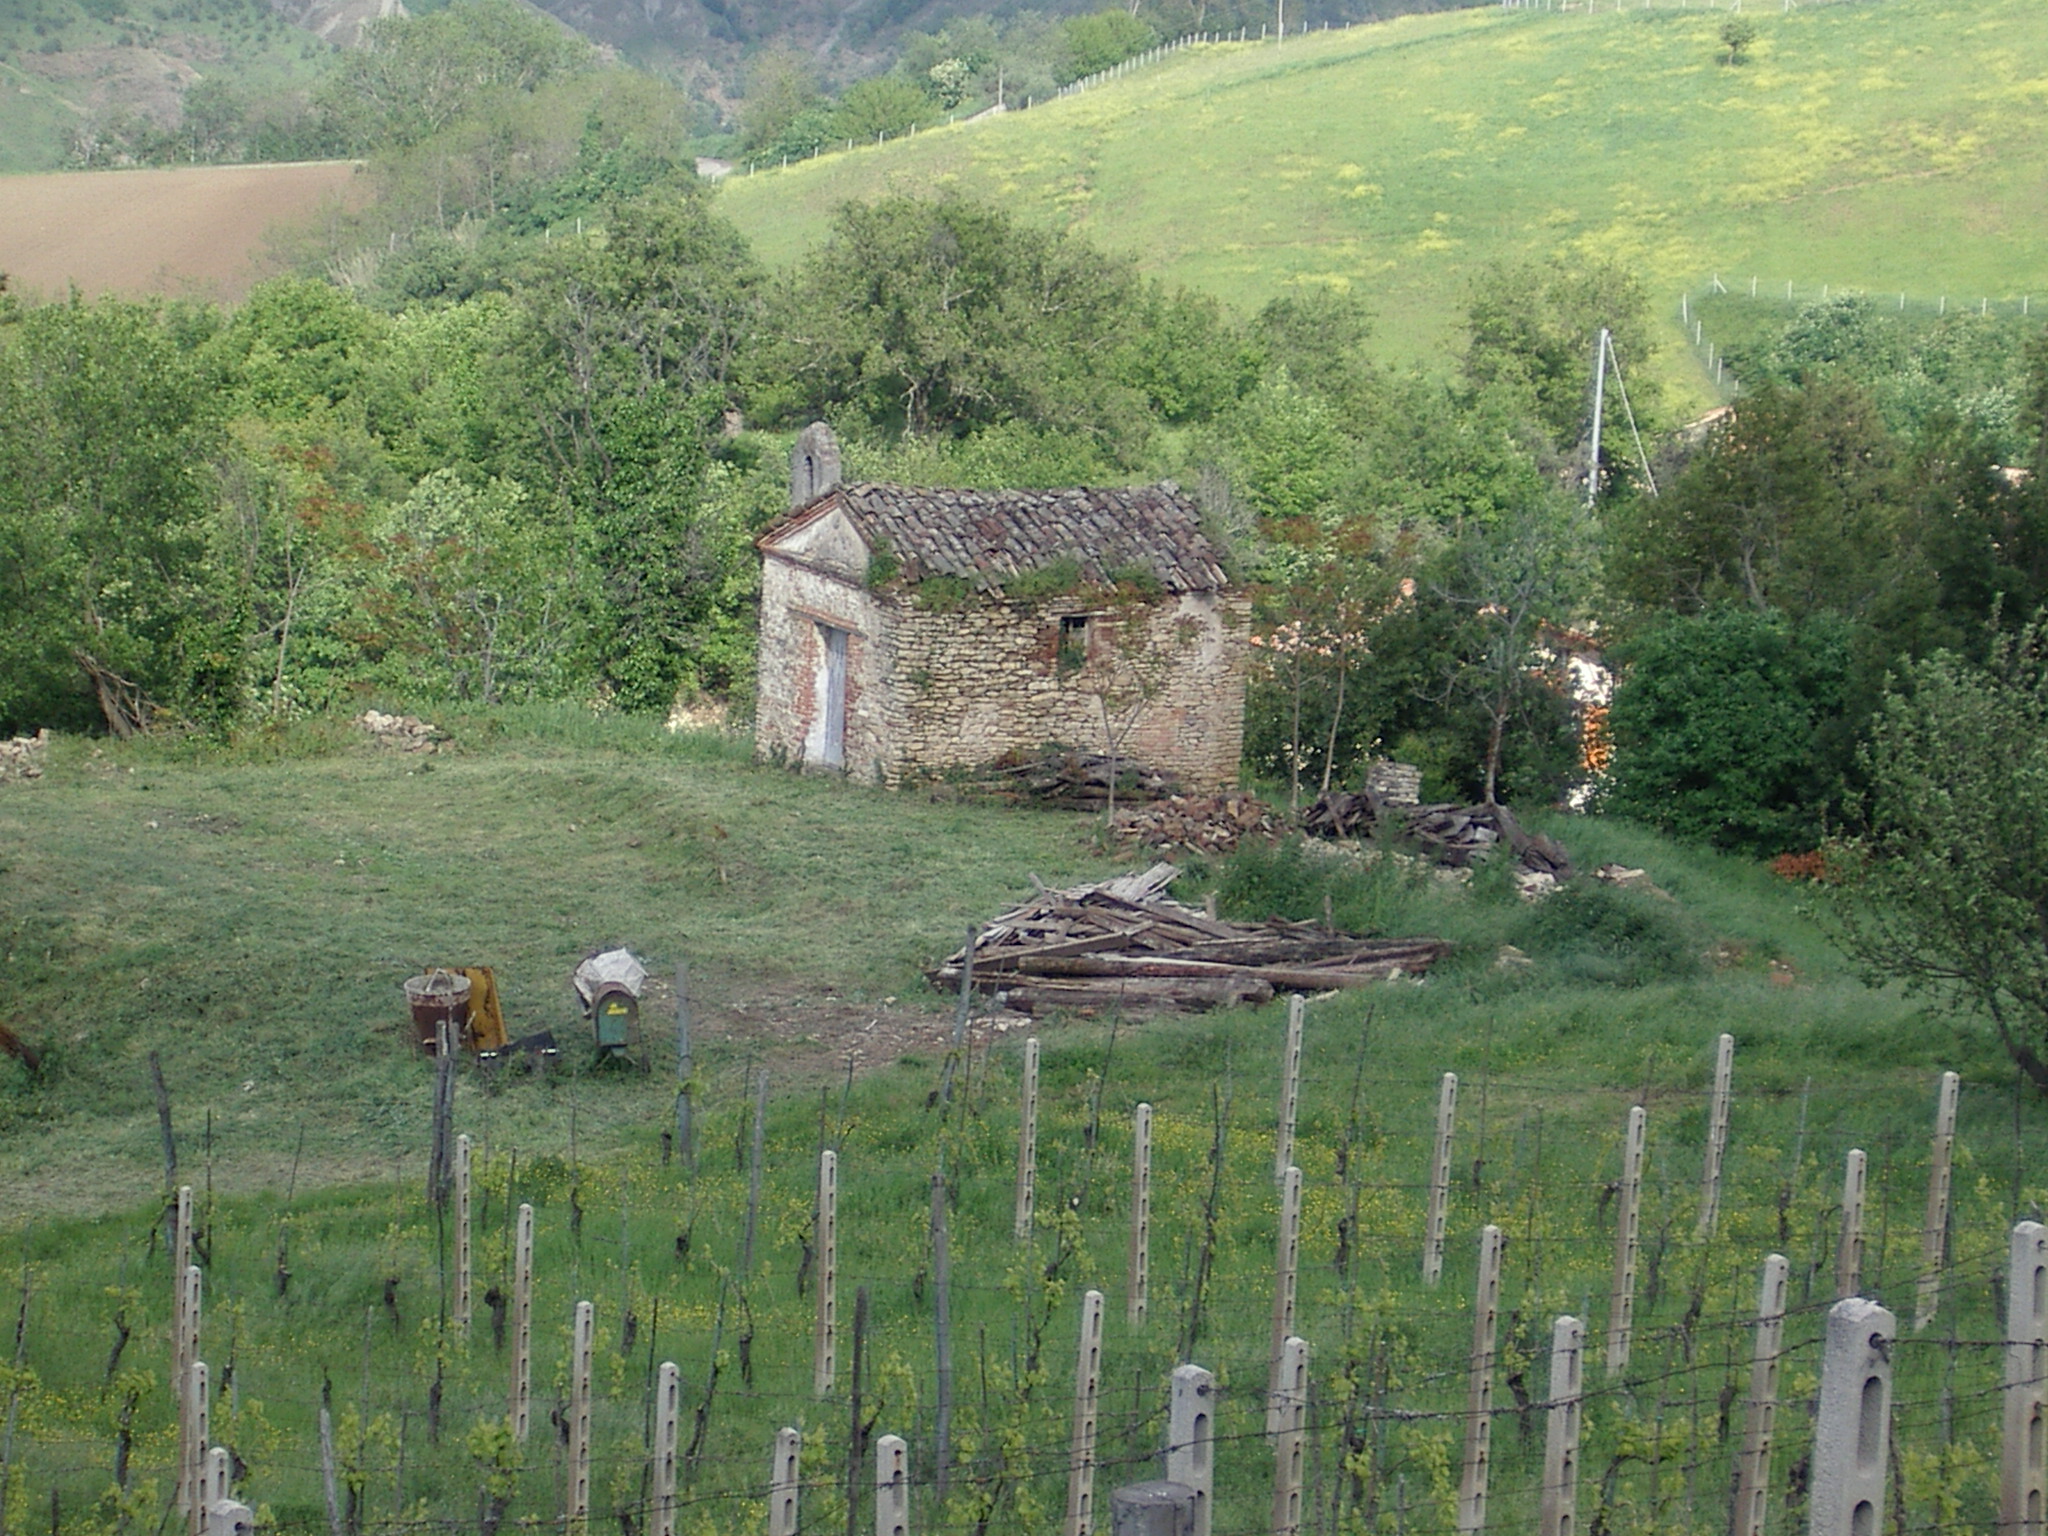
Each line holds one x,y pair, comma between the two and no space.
1599,409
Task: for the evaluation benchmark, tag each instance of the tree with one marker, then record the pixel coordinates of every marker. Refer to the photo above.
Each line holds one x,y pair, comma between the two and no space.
1717,724
1947,888
1737,33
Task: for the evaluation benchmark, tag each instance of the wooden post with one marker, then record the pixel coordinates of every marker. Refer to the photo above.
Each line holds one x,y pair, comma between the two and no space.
1621,1300
579,1420
1138,1286
2023,1484
942,1343
462,1241
754,1157
1440,1181
892,1486
1753,1471
1191,1439
1290,1091
1934,1229
522,1325
194,1448
1291,1441
1852,1429
1559,1513
1080,1519
825,1354
1717,1138
782,1484
668,1420
1849,1252
1479,1387
1286,1268
1027,1144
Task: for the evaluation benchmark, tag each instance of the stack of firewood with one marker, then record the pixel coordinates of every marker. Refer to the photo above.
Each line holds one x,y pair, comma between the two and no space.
1199,823
1078,780
1123,944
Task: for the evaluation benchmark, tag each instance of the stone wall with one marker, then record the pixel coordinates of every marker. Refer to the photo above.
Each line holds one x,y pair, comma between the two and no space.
970,684
795,601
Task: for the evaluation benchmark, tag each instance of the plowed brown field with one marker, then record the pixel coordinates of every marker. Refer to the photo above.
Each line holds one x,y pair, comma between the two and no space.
192,230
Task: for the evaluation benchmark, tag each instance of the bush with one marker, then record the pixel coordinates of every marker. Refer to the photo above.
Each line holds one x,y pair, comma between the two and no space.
1595,932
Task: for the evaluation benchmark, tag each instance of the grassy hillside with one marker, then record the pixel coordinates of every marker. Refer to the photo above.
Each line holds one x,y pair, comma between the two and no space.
1892,146
250,916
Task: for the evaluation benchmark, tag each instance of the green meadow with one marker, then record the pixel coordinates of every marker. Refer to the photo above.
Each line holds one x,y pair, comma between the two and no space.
1881,146
248,913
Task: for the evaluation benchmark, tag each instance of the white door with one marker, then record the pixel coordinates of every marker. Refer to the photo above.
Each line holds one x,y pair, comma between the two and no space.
825,743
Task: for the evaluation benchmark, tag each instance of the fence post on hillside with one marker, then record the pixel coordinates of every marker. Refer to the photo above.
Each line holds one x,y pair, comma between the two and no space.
190,1299
686,1071
1934,1229
1081,1452
825,1355
184,1331
1291,1442
193,1447
580,1343
522,1325
1439,1181
1621,1299
1138,1281
1852,1430
1717,1138
942,1342
1849,1252
892,1486
668,1425
1759,1419
782,1483
1479,1386
1559,1509
1191,1439
1027,1145
1290,1090
756,1151
1286,1268
463,1256
2023,1480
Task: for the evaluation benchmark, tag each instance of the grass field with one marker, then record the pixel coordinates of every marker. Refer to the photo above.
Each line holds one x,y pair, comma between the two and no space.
249,913
1886,146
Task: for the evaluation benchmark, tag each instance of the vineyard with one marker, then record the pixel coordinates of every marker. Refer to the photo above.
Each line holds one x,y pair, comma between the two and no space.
359,1386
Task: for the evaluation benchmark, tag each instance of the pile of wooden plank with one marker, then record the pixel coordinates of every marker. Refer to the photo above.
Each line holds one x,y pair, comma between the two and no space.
1075,780
1454,836
1200,823
1124,944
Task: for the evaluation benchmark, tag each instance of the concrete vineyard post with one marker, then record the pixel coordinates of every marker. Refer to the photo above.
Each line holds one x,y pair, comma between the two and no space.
219,1482
782,1484
1753,1470
1290,1091
1440,1181
1849,1252
1559,1509
1138,1283
1621,1300
1717,1138
1479,1386
1852,1430
1080,1519
1286,1268
522,1325
1292,1438
184,1329
668,1425
892,1486
825,1354
2023,1483
191,1289
1191,1438
462,1248
193,1447
579,1420
1934,1229
1027,1144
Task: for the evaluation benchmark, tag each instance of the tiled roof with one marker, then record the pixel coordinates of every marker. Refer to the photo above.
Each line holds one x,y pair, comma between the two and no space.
991,537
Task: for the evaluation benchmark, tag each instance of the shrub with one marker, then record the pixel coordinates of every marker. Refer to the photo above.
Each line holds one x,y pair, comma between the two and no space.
1595,932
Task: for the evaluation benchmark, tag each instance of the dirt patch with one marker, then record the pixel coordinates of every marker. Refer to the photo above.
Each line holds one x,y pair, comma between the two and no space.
189,230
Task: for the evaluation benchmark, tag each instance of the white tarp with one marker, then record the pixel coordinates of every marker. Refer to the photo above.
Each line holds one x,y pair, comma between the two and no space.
613,965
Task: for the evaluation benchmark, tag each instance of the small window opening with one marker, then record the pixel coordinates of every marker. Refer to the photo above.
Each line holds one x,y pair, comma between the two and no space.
1073,640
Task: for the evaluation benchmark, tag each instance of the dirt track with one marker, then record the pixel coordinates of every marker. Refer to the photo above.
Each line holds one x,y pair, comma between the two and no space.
192,230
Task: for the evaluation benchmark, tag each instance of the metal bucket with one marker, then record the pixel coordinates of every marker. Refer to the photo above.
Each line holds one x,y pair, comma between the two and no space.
436,998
